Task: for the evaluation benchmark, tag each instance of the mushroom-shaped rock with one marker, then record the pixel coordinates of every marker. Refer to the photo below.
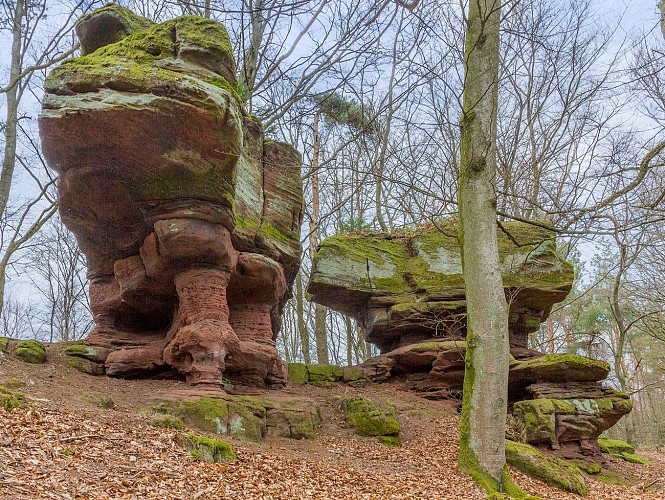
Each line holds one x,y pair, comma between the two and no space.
172,193
408,287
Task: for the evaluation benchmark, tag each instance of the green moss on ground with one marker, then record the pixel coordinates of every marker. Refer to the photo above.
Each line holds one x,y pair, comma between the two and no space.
168,422
633,458
587,466
30,351
4,344
612,478
615,446
297,373
13,383
545,467
371,419
208,449
10,400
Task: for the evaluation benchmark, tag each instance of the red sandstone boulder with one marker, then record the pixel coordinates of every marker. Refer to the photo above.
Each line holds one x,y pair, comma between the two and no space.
188,217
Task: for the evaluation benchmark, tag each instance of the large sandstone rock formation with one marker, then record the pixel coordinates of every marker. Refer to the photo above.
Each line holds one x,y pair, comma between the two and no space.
406,288
406,291
188,217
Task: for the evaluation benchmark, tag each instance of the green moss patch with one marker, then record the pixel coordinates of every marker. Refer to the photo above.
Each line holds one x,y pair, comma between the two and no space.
13,383
633,458
587,466
208,449
9,400
30,351
545,467
369,418
245,417
615,446
168,422
297,373
612,478
4,345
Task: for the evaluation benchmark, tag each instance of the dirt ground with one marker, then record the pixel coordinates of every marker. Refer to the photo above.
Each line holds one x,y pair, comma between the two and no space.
65,446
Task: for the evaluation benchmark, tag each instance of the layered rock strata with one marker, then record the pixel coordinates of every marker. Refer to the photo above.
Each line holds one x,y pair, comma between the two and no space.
406,292
189,219
407,288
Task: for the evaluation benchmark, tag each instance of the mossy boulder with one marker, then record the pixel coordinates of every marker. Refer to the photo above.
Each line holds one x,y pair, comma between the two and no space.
245,417
322,373
297,373
4,345
208,449
294,423
224,417
552,470
95,354
554,421
353,374
30,351
370,418
86,366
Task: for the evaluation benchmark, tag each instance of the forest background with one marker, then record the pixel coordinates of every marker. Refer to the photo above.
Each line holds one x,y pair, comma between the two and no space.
370,93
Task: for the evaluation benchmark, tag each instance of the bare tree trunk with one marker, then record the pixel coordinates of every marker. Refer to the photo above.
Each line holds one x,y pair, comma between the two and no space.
302,326
250,62
550,335
11,124
320,333
349,341
484,405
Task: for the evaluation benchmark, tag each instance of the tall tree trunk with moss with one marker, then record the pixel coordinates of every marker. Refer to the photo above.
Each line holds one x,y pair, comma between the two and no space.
320,333
484,405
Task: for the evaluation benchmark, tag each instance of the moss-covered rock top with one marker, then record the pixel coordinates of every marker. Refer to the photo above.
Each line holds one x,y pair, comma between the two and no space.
561,368
427,260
